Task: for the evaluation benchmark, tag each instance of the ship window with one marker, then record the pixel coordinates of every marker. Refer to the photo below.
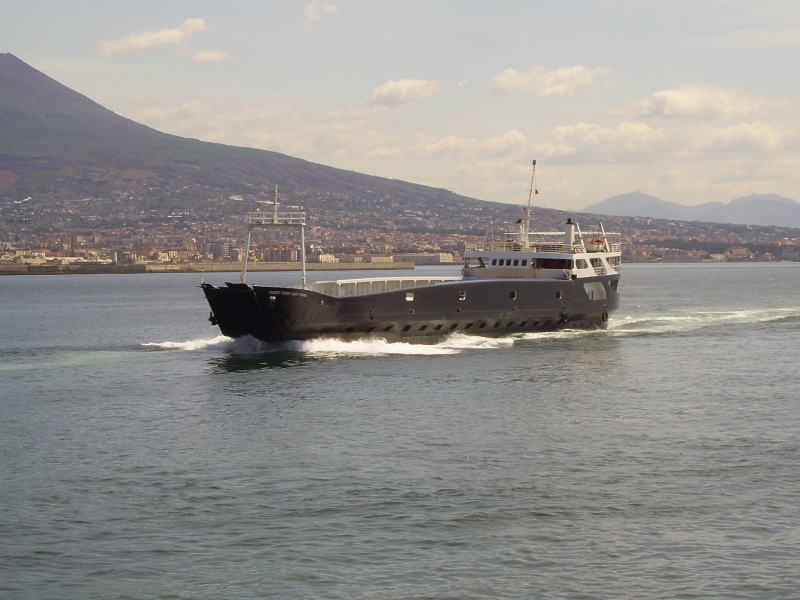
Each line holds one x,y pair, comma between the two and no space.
438,327
388,328
556,263
614,283
497,325
370,329
409,296
494,261
272,300
513,295
582,264
349,330
411,312
454,326
462,295
524,262
468,326
482,325
558,294
407,327
535,323
516,262
523,324
510,324
423,328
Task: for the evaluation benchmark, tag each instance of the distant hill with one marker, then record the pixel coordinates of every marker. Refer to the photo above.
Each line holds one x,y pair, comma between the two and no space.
54,140
755,209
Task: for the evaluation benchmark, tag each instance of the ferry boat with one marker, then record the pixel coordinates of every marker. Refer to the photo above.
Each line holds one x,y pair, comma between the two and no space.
526,282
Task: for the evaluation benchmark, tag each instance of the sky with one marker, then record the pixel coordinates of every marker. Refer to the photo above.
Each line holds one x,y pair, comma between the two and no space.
690,101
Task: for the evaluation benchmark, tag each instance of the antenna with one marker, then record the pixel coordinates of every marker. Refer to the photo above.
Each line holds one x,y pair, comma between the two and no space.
527,225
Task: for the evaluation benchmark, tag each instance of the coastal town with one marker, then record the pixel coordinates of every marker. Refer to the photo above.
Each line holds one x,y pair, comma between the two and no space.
145,227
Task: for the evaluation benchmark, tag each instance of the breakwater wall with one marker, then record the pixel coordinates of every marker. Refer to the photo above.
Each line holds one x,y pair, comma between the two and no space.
106,268
286,266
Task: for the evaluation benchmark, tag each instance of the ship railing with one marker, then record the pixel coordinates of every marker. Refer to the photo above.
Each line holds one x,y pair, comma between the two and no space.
343,288
513,246
279,218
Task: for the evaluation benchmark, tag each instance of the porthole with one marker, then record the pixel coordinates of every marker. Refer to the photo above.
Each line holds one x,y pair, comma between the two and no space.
513,295
438,327
423,328
468,326
482,325
272,300
558,294
462,295
453,326
407,327
411,312
409,296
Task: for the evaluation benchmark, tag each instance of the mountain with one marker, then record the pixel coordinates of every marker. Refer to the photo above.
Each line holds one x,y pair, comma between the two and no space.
755,209
57,142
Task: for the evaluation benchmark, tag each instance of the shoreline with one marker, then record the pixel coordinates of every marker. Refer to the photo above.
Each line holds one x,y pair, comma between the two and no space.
117,269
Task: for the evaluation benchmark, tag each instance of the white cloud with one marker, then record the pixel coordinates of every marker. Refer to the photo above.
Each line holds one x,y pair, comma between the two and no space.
703,101
393,93
586,142
312,11
429,145
134,43
744,137
562,83
210,56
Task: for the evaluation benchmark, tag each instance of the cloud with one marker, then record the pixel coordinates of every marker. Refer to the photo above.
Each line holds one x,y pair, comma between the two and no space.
704,102
744,137
586,142
393,93
312,11
210,56
429,145
135,43
563,83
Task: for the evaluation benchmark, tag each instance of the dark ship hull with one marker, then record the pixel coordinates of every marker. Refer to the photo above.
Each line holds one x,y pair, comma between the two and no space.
492,308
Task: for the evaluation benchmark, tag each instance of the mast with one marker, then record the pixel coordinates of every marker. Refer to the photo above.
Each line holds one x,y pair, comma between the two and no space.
291,218
527,221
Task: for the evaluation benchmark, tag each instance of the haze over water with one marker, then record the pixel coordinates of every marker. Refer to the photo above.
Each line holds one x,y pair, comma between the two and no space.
145,455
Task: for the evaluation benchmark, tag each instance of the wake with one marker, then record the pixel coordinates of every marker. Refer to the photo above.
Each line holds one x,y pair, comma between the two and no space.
332,347
618,327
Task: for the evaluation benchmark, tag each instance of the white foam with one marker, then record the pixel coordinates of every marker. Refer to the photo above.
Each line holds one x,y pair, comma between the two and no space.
221,342
375,347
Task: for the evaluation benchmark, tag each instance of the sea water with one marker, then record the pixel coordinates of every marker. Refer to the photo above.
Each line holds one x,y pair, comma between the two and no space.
144,455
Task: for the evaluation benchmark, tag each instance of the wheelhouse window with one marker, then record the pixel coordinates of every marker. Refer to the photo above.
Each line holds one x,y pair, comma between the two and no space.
555,263
581,264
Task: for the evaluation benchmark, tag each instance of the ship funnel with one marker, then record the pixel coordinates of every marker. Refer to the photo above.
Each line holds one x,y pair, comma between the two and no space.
569,233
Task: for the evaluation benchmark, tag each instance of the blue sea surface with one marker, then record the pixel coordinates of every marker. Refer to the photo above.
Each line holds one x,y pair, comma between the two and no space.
144,455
